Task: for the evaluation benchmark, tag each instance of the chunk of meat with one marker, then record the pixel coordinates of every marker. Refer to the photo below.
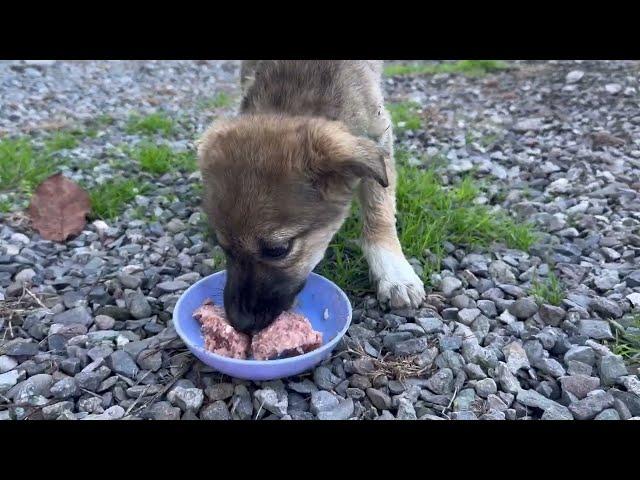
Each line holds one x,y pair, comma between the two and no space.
289,335
219,336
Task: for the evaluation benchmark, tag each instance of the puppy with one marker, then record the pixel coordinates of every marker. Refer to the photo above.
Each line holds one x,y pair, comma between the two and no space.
279,180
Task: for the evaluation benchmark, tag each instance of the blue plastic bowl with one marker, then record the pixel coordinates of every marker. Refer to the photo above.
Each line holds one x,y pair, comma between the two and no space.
318,295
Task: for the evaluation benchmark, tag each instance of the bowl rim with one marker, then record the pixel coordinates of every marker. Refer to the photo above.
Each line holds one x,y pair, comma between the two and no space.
236,361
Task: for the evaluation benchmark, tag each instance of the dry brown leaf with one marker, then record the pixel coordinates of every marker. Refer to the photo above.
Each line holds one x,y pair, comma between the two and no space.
59,208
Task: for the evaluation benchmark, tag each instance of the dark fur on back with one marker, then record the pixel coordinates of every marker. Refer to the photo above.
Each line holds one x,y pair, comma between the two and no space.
296,88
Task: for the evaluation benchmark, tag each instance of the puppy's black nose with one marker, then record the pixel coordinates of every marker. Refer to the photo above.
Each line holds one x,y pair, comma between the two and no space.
242,321
247,322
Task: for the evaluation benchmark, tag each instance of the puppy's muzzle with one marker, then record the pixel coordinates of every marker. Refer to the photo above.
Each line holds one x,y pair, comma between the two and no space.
252,305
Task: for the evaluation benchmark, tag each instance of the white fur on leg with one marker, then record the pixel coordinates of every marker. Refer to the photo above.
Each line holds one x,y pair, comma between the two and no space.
396,280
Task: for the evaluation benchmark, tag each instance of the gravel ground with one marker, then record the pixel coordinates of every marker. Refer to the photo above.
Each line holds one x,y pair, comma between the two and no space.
558,143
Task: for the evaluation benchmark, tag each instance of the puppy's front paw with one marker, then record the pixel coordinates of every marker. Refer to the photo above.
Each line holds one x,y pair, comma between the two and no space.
396,280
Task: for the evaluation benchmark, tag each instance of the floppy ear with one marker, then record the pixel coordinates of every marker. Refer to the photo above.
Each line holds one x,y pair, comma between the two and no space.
209,146
336,153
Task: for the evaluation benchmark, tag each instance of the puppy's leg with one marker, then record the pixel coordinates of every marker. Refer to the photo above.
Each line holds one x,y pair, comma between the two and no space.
396,281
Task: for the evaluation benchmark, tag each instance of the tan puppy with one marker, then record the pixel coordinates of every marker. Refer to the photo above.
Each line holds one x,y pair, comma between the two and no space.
279,180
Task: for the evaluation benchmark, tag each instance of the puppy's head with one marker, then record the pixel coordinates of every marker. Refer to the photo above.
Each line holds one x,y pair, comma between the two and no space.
276,190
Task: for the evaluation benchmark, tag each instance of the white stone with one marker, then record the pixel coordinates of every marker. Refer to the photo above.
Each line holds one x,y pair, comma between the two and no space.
574,76
634,298
613,88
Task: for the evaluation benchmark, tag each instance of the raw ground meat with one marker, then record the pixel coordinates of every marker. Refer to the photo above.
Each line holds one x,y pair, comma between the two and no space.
219,336
289,335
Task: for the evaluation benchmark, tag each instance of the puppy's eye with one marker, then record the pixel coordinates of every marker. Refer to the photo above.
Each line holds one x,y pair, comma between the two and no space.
275,251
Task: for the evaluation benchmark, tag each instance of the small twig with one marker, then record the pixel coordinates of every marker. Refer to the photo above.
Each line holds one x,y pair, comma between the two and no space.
137,400
180,374
455,394
91,393
126,380
235,405
147,373
36,299
10,330
399,368
259,411
35,409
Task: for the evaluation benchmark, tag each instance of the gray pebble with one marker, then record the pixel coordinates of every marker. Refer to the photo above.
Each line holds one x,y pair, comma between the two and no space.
449,285
464,400
411,346
468,315
430,324
582,354
524,308
488,308
598,329
557,412
441,382
122,363
608,414
139,306
611,368
405,410
579,385
79,315
486,387
551,315
379,399
172,286
162,411
342,411
7,363
217,410
270,400
463,415
324,378
65,388
19,347
219,391
595,402
186,398
322,401
8,380
516,357
531,398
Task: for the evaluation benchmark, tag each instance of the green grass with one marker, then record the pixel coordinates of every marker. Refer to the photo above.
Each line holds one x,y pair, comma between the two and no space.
429,214
5,206
219,100
110,199
143,213
627,344
103,120
94,125
151,124
488,140
466,67
405,115
21,167
160,159
61,141
91,132
218,259
343,262
549,291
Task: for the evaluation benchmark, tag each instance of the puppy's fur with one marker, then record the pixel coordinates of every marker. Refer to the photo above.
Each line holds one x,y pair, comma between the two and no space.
279,180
